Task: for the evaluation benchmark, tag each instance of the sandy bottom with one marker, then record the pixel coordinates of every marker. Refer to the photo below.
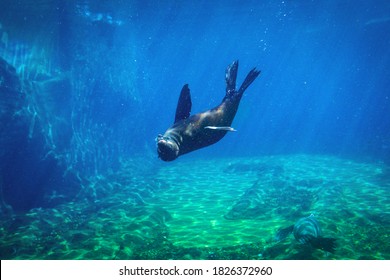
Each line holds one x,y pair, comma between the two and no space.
226,208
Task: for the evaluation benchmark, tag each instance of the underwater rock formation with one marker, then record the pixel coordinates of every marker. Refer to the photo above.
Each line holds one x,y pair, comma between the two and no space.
30,176
271,196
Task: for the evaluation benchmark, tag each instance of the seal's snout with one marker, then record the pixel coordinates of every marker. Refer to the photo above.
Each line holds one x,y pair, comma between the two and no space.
167,150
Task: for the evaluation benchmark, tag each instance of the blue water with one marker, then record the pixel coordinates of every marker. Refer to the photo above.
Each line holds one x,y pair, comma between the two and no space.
94,83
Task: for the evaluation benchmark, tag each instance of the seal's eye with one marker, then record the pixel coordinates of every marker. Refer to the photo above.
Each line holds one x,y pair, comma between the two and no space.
159,137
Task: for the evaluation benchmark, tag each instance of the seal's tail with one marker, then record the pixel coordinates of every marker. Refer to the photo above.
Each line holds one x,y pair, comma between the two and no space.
231,76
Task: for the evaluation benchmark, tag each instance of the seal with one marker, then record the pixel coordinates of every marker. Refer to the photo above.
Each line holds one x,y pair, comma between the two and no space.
307,231
190,133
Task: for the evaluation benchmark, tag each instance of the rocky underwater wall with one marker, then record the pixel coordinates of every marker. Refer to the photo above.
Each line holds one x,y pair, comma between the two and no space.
65,115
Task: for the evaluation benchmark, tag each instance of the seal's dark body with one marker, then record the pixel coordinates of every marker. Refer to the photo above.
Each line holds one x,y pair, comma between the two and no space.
189,132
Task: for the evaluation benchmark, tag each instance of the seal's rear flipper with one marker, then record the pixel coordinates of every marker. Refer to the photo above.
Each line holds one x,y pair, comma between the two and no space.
326,244
184,104
283,233
231,76
252,75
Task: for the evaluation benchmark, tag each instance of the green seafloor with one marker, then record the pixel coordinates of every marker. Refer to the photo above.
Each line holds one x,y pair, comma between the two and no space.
225,208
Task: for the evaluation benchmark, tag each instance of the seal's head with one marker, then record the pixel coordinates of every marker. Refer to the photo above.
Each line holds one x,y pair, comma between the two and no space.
167,148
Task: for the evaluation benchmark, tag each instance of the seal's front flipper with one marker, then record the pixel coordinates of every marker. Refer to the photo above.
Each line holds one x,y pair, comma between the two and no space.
283,233
224,128
184,104
252,75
